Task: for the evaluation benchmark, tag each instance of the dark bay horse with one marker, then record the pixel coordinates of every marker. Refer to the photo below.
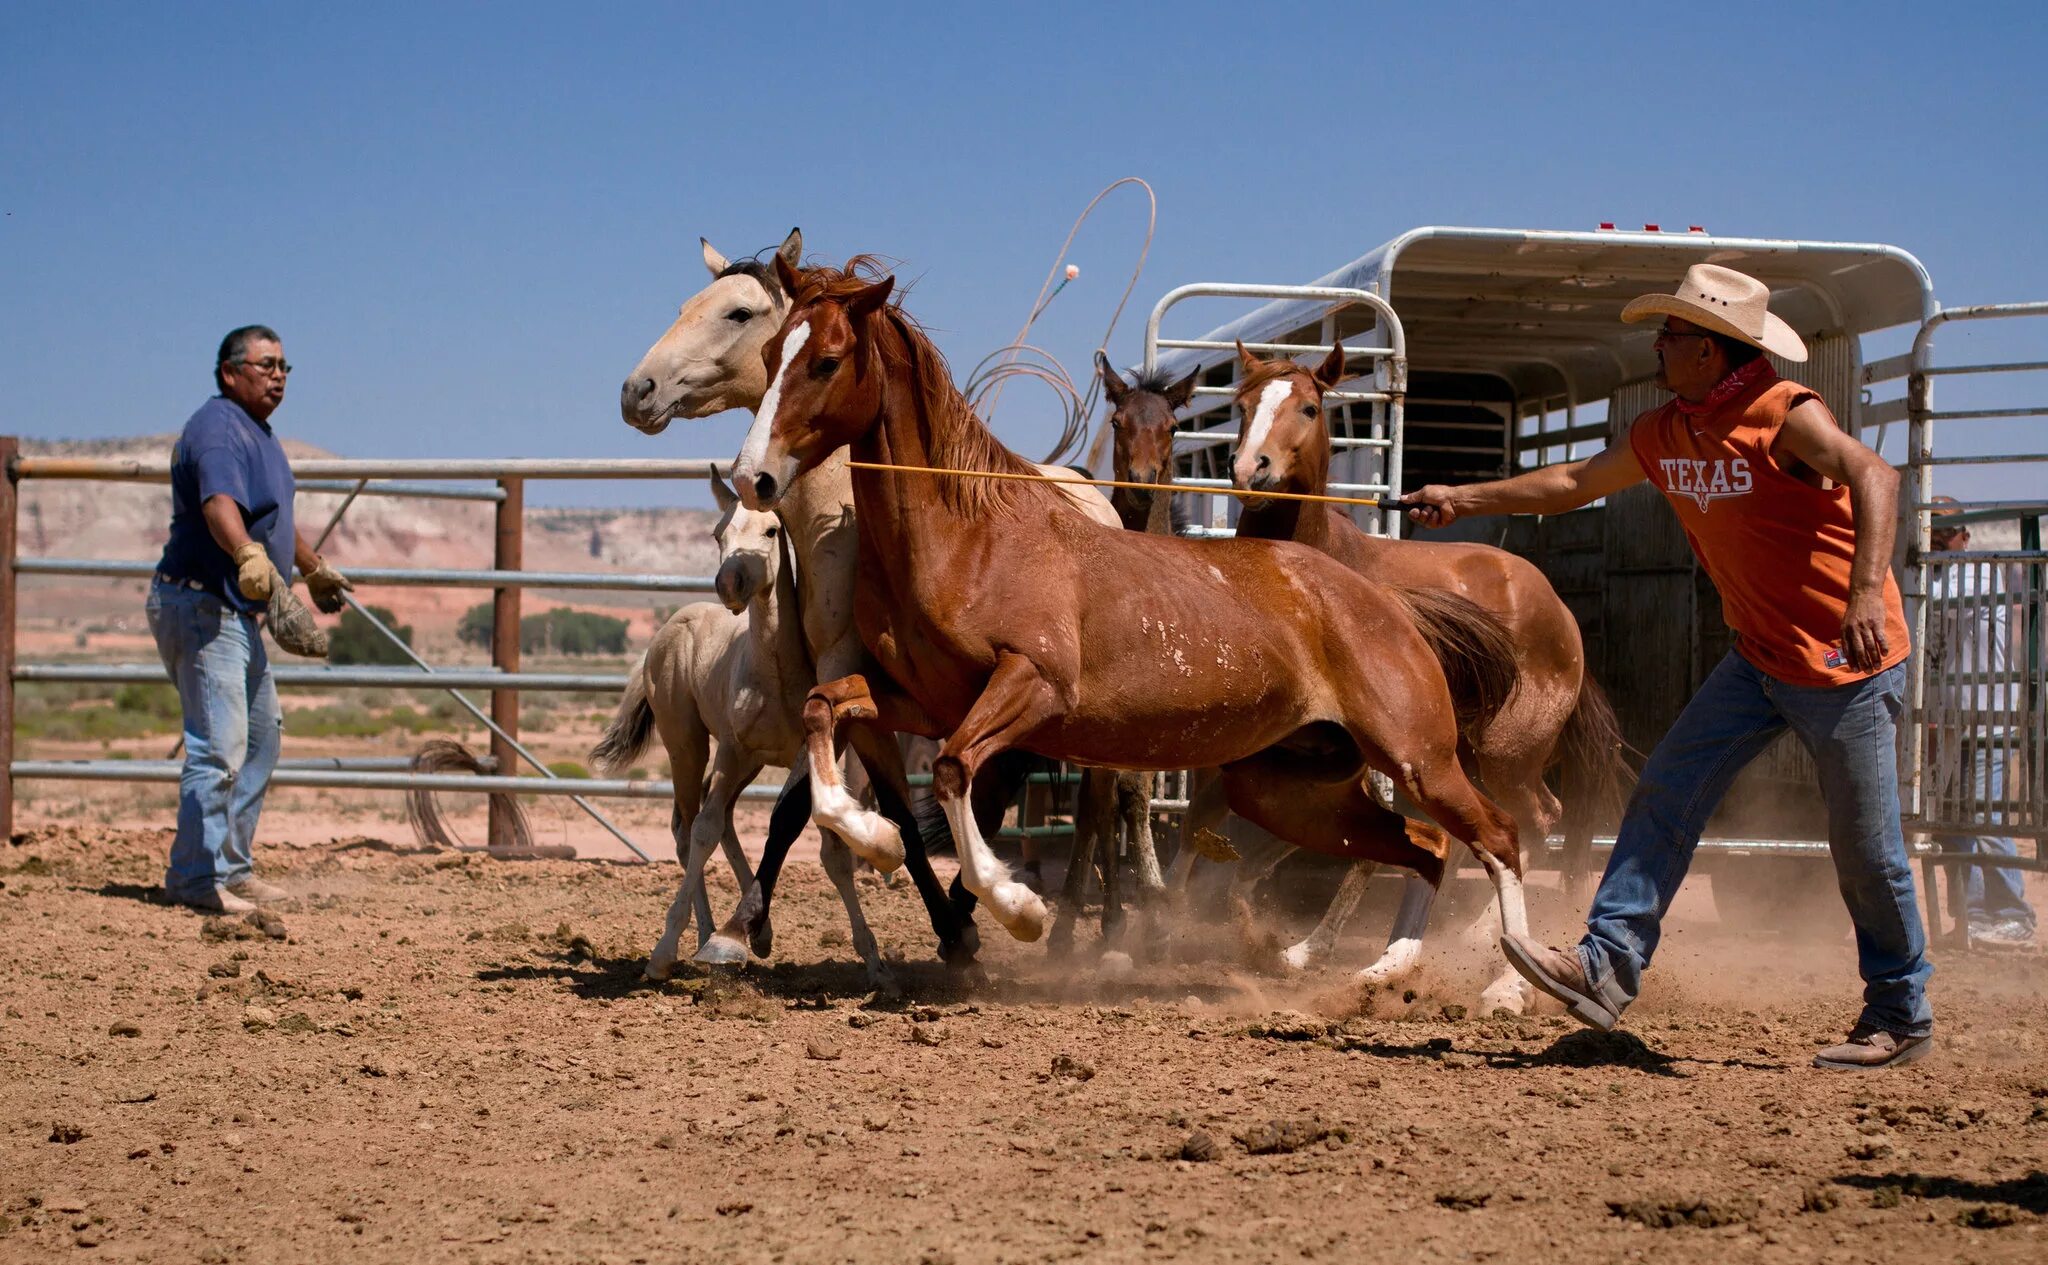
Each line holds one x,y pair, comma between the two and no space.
1557,712
1267,659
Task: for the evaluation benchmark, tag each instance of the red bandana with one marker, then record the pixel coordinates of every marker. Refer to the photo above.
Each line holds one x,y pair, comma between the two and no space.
1755,372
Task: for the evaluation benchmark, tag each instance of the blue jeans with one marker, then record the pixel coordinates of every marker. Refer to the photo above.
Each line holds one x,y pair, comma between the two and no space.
233,726
1851,731
1990,896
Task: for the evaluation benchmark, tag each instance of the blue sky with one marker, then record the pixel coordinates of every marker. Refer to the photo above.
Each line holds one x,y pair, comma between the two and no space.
469,221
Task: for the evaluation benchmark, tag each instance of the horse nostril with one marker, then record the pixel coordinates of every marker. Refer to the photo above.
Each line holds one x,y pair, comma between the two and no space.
636,390
764,487
1264,461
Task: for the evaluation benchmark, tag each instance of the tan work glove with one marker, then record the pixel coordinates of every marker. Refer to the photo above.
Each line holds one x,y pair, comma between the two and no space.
253,573
327,585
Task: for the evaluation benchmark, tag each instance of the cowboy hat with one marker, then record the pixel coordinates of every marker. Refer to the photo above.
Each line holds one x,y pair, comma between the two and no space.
1726,302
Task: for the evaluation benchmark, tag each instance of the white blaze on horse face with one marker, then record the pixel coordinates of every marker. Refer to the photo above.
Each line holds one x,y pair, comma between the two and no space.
1270,399
754,454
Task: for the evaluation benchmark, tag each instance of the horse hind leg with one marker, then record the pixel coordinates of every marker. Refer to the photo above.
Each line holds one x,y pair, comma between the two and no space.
837,859
1092,825
1519,789
1319,942
1016,700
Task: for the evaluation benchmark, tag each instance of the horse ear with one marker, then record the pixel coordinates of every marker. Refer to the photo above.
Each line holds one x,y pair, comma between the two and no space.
871,299
785,275
1247,360
1178,395
1112,381
721,493
792,248
712,259
1331,371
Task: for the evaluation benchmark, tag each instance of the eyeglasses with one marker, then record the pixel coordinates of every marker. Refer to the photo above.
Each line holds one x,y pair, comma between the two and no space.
1665,333
269,364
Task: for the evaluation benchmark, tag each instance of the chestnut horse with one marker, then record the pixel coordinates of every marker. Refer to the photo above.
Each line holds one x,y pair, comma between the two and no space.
1266,659
1556,711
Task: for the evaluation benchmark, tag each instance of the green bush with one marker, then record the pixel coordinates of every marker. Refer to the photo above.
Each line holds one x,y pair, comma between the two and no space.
474,628
565,631
159,699
355,640
568,768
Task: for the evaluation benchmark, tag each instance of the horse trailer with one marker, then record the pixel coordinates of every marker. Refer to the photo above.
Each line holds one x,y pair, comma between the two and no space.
1487,352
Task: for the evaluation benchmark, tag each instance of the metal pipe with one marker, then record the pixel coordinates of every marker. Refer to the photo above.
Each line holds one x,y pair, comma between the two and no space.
158,469
499,759
409,576
339,510
371,780
10,448
1270,349
339,678
421,491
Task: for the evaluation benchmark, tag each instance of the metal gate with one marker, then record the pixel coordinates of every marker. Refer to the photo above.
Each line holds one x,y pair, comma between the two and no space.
1974,752
1366,456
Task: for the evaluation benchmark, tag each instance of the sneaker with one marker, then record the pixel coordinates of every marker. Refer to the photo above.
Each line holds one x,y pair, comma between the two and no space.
214,900
1868,1049
1560,973
2012,933
251,888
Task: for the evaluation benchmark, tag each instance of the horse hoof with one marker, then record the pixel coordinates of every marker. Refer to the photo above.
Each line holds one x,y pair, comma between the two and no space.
1510,992
722,950
762,938
1061,944
1298,958
1116,965
1026,917
1401,957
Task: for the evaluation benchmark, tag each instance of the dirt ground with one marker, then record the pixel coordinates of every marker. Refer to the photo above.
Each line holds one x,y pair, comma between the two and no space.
446,1058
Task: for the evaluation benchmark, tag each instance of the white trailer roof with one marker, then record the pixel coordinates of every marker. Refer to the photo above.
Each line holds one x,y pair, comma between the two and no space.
1542,310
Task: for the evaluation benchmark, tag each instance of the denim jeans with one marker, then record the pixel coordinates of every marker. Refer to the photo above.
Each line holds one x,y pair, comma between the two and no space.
232,730
1990,896
1851,731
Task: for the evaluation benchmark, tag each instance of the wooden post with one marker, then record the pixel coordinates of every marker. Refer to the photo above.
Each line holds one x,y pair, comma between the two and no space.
10,447
508,555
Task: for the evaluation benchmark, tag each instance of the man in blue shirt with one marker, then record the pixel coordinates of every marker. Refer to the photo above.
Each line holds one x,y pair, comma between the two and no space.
232,544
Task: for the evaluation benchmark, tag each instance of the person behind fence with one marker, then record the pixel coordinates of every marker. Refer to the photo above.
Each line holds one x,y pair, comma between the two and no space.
1794,520
1970,747
232,543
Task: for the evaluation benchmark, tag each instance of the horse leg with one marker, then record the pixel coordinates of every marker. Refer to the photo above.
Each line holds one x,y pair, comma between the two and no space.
1258,857
729,773
1109,851
1016,700
877,839
1318,943
1519,789
689,746
1404,941
749,920
952,917
837,859
1090,825
1134,808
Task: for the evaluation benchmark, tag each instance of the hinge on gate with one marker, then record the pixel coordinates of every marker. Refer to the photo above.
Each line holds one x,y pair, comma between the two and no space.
1397,375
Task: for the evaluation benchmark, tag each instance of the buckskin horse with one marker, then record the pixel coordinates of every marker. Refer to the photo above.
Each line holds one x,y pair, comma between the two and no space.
1291,673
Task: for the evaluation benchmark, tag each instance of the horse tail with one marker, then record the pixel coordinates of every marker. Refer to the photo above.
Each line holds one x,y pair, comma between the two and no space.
632,727
1594,775
1475,650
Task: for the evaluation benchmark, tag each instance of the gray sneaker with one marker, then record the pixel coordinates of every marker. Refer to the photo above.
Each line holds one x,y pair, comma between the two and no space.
1868,1049
2013,933
215,900
251,888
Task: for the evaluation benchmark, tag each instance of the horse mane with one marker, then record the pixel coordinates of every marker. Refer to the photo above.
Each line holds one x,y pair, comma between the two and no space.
758,271
1156,380
955,438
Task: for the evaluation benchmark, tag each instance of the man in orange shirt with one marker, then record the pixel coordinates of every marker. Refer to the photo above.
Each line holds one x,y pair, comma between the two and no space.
1793,519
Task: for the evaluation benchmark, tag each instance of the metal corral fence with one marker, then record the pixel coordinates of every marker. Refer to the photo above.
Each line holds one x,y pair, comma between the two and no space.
507,579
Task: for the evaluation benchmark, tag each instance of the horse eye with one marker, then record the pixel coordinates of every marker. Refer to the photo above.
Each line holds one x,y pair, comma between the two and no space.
739,316
772,531
824,367
1311,410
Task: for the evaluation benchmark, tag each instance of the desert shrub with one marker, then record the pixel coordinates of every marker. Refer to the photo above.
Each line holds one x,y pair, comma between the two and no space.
565,631
474,628
158,699
354,640
568,768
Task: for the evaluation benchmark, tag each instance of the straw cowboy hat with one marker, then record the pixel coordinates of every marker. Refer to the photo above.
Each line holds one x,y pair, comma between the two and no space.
1725,301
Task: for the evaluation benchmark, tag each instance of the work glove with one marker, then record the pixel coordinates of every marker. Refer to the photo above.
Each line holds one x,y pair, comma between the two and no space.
327,585
254,574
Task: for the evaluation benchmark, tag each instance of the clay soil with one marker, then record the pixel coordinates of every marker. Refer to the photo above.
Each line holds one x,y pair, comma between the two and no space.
446,1058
